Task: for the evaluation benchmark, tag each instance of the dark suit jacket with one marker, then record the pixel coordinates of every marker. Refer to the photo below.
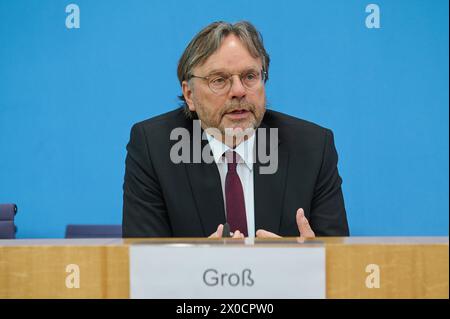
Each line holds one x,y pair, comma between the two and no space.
163,199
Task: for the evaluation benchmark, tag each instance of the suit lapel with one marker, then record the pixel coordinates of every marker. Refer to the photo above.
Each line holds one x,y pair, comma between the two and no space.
206,189
269,189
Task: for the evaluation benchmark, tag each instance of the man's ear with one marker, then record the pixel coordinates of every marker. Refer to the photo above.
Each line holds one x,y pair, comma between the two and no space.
187,93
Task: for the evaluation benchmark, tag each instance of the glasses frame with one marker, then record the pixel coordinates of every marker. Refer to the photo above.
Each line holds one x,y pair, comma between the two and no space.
264,78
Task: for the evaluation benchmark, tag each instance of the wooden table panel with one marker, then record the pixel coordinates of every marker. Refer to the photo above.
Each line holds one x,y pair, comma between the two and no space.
410,267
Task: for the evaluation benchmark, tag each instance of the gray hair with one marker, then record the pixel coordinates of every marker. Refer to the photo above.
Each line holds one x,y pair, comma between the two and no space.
208,40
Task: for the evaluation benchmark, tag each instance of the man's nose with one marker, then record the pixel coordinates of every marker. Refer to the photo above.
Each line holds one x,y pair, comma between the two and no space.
237,88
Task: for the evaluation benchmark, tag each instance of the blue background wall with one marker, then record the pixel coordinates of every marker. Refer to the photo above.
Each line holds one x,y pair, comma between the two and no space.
68,98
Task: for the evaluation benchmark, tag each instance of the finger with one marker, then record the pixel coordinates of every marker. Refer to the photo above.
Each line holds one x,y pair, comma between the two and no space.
261,233
303,225
217,233
237,234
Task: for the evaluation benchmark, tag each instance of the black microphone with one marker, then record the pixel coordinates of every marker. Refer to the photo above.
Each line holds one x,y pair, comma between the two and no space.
226,230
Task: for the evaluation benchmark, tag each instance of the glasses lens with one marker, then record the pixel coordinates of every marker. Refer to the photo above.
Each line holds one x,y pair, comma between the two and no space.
251,79
218,82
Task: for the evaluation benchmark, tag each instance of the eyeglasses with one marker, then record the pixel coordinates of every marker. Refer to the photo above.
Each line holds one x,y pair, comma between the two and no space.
220,83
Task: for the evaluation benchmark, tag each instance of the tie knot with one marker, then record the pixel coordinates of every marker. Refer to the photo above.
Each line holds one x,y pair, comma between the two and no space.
232,159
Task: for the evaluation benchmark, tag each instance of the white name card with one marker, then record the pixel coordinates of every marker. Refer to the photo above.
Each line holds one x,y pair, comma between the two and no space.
227,272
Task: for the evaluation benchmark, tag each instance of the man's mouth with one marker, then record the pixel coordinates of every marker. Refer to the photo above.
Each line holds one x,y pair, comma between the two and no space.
238,111
238,114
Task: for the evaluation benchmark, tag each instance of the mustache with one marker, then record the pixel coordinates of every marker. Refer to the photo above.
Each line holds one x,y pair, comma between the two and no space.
241,105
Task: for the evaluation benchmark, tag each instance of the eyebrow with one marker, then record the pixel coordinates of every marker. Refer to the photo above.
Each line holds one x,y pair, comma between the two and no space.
215,71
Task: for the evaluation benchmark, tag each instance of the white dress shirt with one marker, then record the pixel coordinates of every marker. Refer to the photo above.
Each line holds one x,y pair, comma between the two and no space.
245,171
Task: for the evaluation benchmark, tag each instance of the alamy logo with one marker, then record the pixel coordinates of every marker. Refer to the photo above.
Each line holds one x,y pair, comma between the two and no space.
73,278
373,279
373,19
185,152
73,19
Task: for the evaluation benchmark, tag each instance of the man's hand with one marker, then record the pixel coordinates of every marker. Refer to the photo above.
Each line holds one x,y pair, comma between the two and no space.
302,224
219,232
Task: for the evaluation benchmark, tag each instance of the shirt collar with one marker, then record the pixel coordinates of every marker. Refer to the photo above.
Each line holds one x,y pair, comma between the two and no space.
244,149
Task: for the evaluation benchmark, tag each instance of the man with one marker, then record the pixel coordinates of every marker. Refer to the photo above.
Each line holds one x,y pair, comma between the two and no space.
222,74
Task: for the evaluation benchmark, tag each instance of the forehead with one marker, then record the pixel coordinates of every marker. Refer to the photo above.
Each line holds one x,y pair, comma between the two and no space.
232,56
